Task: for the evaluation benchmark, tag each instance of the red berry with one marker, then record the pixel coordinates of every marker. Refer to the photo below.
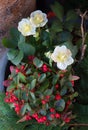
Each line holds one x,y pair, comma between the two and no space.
50,15
57,115
7,93
17,70
35,115
7,100
56,86
28,117
44,118
52,116
31,58
73,83
47,97
57,97
47,123
67,120
61,75
22,67
45,68
43,102
52,110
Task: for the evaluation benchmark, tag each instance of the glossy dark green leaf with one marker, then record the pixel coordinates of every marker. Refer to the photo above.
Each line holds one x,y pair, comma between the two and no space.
27,49
44,86
22,77
41,78
15,56
21,39
25,108
63,91
28,71
8,43
55,79
58,10
65,36
33,84
60,105
37,62
10,87
56,27
33,96
71,15
15,34
48,92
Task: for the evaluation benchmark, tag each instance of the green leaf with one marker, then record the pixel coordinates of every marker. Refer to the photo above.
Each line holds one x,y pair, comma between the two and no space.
44,35
44,86
21,39
33,96
13,41
56,27
55,79
25,108
22,77
48,92
73,48
65,36
15,56
10,87
73,95
15,34
28,71
45,43
63,91
41,78
37,62
26,48
69,25
8,43
60,105
58,10
42,112
71,15
32,84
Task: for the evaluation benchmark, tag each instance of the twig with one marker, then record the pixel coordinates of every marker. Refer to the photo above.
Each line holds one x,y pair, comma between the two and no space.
78,124
83,34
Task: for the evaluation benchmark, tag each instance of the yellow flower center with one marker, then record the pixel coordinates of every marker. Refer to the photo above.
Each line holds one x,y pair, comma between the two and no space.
27,28
38,18
62,57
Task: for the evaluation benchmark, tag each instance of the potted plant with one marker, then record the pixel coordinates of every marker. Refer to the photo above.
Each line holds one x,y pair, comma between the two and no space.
46,57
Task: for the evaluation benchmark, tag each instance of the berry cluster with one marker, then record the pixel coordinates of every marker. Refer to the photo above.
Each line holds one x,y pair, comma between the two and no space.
37,94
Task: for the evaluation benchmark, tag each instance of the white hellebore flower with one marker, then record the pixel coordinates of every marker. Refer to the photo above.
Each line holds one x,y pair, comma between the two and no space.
62,56
26,27
38,18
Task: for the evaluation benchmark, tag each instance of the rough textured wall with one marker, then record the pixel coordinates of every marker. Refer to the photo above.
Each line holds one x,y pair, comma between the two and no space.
11,11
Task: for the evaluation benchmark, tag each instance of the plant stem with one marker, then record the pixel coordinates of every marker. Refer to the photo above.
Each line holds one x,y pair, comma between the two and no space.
83,34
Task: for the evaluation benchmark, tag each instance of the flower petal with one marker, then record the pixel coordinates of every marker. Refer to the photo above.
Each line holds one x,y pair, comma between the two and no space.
62,66
69,61
26,28
38,18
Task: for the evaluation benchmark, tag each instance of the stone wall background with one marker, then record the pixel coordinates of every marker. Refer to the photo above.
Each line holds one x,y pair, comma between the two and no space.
11,11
